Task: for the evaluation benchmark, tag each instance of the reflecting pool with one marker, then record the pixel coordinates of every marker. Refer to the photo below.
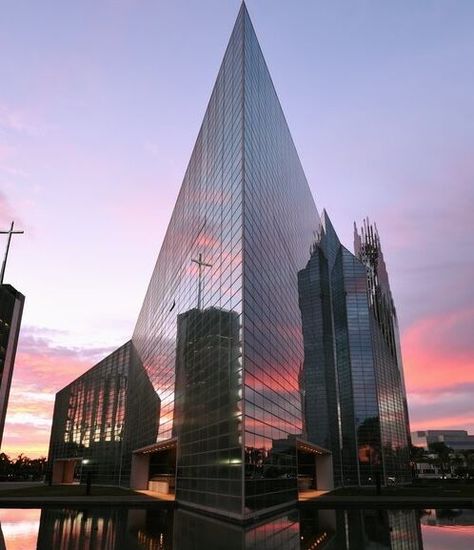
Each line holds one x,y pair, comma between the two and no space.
164,528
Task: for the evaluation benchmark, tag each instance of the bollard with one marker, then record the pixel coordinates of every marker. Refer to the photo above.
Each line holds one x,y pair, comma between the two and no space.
378,483
88,483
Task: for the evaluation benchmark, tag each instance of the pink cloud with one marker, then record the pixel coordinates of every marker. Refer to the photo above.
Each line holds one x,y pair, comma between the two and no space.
439,351
42,368
438,356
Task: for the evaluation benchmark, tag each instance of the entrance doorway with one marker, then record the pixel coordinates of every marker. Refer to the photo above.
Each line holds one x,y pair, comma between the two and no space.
66,470
154,468
315,473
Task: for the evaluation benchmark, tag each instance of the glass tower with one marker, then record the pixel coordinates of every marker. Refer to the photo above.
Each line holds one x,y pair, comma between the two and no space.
220,319
354,391
391,392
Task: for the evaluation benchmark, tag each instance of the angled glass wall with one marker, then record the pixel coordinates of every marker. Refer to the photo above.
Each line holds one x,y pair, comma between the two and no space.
280,223
99,419
193,307
239,234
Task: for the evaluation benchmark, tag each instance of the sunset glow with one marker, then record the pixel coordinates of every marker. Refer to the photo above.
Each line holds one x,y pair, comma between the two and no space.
97,123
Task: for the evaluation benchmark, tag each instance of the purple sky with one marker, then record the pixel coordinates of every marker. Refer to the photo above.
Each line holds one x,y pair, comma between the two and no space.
100,104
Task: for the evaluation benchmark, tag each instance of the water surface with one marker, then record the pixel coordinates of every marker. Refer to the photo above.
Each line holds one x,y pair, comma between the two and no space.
308,527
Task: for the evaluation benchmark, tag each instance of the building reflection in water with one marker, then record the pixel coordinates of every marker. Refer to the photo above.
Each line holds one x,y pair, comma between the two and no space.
192,531
166,528
447,517
360,529
106,529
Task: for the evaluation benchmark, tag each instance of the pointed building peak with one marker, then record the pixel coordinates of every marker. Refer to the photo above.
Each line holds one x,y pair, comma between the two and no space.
243,10
325,217
327,223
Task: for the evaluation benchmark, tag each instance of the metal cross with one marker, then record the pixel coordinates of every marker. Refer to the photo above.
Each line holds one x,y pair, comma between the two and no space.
201,264
9,233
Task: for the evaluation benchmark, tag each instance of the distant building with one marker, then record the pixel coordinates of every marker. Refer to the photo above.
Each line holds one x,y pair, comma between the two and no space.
458,440
353,386
11,309
96,419
428,470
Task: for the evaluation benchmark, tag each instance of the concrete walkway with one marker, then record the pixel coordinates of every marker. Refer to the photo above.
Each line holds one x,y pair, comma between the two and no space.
150,498
12,485
160,496
135,501
310,495
330,501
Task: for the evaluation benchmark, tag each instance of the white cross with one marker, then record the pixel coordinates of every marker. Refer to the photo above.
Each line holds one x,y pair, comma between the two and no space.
201,264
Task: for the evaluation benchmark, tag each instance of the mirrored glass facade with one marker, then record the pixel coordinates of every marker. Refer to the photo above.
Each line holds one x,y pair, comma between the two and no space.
355,400
192,313
96,417
219,333
258,333
391,391
280,223
162,528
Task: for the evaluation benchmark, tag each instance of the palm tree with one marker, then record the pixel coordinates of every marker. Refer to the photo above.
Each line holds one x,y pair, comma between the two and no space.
443,453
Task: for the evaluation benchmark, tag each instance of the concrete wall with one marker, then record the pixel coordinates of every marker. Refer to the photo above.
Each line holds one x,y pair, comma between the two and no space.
324,473
140,471
63,471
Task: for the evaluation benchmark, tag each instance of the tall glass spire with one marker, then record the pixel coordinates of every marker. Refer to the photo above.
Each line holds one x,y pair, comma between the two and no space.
245,209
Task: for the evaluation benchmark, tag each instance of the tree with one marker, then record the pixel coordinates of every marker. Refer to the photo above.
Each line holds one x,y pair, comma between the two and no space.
417,454
5,466
22,467
443,453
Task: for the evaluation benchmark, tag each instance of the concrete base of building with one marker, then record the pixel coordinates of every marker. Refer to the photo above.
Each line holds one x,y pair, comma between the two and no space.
63,470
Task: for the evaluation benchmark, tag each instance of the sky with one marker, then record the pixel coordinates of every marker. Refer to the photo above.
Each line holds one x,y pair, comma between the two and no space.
100,105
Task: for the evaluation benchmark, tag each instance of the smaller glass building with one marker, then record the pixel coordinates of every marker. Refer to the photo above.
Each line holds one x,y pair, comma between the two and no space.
96,418
353,386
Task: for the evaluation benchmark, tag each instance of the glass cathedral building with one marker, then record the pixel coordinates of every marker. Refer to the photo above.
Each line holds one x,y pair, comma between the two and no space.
222,335
245,206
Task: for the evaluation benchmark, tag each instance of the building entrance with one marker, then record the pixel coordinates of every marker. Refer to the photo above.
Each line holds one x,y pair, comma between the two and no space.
154,467
66,470
315,471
